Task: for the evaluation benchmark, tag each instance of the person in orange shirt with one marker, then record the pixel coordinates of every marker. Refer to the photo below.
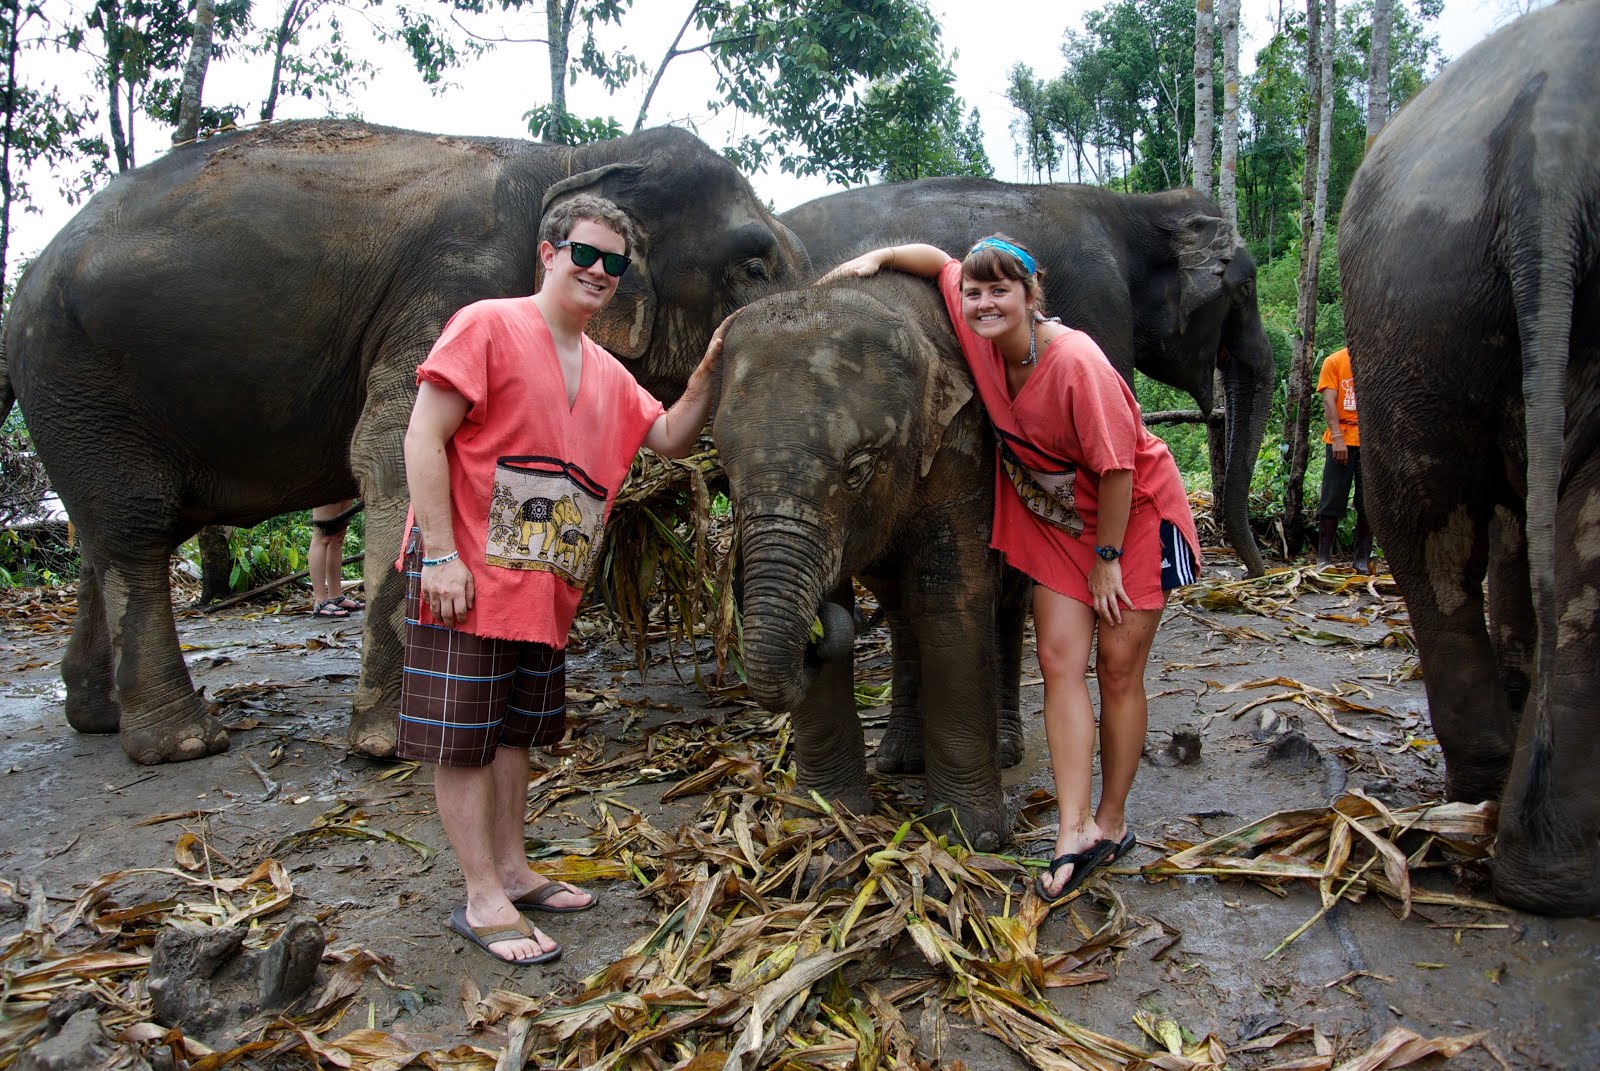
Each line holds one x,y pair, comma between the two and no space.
1342,463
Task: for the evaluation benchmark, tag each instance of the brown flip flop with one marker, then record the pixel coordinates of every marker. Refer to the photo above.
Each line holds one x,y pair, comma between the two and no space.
484,936
535,901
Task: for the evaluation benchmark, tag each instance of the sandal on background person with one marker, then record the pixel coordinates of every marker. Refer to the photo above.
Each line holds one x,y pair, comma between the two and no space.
348,602
329,608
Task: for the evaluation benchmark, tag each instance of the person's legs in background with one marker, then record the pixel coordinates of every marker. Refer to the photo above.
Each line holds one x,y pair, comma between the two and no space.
324,562
1361,552
1333,502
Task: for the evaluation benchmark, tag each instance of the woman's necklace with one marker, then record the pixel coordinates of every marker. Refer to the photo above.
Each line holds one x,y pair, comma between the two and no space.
1033,349
1033,342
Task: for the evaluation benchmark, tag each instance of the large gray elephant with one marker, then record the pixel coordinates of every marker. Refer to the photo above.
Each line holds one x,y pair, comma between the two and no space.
1158,280
855,446
232,332
1470,261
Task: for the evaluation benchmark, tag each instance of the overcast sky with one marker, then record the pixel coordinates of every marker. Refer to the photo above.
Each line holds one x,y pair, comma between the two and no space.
490,96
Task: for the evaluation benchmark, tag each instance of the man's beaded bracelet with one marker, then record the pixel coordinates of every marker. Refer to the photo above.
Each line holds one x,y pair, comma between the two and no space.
452,556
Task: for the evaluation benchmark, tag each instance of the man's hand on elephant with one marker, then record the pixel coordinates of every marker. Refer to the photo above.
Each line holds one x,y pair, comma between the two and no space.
713,348
1105,586
448,592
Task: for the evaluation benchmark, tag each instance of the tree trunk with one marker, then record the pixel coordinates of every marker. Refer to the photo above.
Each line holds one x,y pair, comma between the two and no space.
288,26
1228,176
1204,95
13,26
661,68
1297,418
558,21
114,54
216,563
194,73
1378,69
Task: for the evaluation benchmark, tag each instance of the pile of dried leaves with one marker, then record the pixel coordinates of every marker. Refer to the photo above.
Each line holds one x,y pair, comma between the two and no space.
787,934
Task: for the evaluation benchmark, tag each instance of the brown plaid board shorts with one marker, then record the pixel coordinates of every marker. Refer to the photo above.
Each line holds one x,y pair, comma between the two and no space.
462,696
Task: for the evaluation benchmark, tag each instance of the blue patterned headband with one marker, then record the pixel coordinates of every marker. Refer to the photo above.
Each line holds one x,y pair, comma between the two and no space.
1028,263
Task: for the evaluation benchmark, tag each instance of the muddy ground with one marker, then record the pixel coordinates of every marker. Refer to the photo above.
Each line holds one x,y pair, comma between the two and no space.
73,807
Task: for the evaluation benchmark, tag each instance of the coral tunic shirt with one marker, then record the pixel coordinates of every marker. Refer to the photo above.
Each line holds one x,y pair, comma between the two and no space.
532,480
1073,420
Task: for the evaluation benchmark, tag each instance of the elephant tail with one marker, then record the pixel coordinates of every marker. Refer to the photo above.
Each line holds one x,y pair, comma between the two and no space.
1548,251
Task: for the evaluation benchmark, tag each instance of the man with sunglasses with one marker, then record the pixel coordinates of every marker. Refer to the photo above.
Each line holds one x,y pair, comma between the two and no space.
522,432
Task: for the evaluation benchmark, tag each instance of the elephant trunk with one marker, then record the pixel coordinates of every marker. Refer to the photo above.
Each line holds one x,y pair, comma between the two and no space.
838,633
1248,378
786,574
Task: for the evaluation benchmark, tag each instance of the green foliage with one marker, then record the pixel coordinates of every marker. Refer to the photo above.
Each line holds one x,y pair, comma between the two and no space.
1186,441
919,134
35,542
277,548
311,56
564,128
1034,130
269,550
1127,92
144,44
797,65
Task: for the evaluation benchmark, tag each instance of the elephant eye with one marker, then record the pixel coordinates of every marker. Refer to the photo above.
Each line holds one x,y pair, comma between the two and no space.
755,269
858,469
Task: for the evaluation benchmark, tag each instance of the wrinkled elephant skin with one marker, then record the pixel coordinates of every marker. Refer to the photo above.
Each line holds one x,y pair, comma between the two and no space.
232,332
1470,262
855,447
1158,280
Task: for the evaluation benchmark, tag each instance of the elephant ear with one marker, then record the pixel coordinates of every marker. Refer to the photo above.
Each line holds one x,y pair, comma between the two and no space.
624,326
1204,244
943,394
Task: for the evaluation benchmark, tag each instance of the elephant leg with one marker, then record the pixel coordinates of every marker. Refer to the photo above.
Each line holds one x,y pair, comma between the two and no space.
373,724
1511,621
163,718
1010,624
87,669
900,750
1435,531
376,458
958,725
1547,854
828,743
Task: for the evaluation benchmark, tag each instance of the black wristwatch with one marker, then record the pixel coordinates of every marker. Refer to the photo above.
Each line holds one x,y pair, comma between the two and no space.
1108,554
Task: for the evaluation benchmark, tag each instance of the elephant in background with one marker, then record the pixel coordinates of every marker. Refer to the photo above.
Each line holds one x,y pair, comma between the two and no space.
854,446
1469,257
1160,281
232,332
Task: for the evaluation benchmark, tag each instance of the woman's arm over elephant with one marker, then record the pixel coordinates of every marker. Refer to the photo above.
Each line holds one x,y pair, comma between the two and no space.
675,431
915,259
446,587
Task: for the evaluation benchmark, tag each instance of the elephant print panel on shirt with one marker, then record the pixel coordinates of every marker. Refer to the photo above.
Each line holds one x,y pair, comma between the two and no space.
1047,492
545,514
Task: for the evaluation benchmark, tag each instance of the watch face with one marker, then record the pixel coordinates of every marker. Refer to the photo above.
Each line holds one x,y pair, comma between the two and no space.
1109,554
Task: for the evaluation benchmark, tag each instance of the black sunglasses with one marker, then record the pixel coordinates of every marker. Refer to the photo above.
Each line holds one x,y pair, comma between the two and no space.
584,256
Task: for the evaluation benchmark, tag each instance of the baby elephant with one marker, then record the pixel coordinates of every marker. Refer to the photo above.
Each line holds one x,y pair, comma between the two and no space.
855,447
